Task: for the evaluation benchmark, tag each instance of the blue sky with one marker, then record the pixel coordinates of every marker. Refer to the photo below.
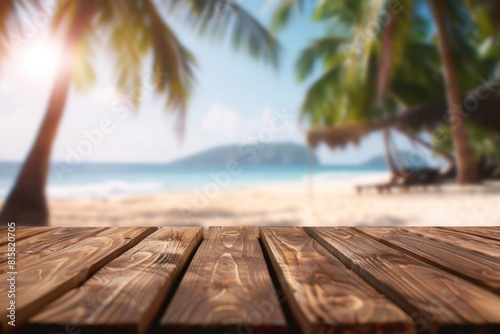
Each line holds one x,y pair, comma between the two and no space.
232,102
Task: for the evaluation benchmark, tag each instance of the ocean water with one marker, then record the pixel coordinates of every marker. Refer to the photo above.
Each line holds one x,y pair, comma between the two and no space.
101,180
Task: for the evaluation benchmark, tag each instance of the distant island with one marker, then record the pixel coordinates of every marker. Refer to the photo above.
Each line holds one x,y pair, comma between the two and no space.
407,159
258,154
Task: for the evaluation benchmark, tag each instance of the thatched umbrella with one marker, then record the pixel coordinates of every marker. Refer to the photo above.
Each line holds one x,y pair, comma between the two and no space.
480,106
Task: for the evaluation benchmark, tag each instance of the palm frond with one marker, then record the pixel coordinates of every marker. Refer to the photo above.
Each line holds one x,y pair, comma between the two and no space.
172,64
325,50
284,13
226,19
11,24
323,101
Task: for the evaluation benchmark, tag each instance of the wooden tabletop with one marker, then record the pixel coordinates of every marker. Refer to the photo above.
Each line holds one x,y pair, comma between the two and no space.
252,280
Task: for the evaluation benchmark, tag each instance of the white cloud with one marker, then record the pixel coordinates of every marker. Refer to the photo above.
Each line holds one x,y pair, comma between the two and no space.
222,121
266,116
252,125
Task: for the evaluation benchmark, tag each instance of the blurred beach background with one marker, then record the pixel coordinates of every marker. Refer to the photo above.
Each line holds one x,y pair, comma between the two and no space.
275,112
157,194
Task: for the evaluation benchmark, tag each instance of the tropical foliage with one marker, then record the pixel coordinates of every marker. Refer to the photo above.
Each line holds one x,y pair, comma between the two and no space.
379,58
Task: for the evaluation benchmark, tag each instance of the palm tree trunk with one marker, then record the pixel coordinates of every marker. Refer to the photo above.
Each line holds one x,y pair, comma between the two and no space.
385,60
388,156
382,83
26,203
464,154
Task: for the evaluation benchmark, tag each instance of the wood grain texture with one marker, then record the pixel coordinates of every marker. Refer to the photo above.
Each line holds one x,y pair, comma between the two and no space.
324,296
485,232
36,246
437,300
231,234
478,268
226,288
126,294
21,232
47,278
468,241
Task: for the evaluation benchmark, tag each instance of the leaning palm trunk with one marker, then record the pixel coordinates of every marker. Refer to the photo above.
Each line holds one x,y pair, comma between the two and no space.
26,203
388,156
464,154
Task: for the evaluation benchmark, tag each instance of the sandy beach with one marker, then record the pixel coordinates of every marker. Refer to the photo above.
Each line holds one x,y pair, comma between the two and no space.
321,202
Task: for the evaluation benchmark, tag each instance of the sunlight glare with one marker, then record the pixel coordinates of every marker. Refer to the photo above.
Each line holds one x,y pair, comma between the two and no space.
39,61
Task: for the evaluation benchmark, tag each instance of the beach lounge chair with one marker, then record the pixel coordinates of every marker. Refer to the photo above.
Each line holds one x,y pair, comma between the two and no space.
406,179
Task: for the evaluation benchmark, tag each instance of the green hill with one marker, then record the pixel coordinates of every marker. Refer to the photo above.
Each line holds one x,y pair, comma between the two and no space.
258,154
408,159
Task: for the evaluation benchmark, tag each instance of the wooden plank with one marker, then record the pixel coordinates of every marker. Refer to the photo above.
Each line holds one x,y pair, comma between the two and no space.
54,239
227,287
126,294
481,231
437,300
323,295
22,232
47,278
480,269
232,234
471,242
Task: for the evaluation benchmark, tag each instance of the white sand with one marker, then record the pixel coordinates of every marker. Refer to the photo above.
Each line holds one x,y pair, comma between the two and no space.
327,202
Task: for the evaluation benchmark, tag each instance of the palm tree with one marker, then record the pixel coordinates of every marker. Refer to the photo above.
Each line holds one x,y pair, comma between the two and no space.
418,79
136,30
358,63
358,72
451,20
465,157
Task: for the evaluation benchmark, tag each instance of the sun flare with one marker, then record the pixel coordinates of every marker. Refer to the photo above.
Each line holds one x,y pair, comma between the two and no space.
39,61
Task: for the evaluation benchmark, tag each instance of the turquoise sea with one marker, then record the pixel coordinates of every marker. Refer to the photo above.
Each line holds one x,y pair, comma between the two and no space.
101,180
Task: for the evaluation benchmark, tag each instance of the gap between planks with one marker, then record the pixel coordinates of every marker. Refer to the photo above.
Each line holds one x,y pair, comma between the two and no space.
20,233
47,242
435,299
323,295
227,287
480,269
126,294
47,278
